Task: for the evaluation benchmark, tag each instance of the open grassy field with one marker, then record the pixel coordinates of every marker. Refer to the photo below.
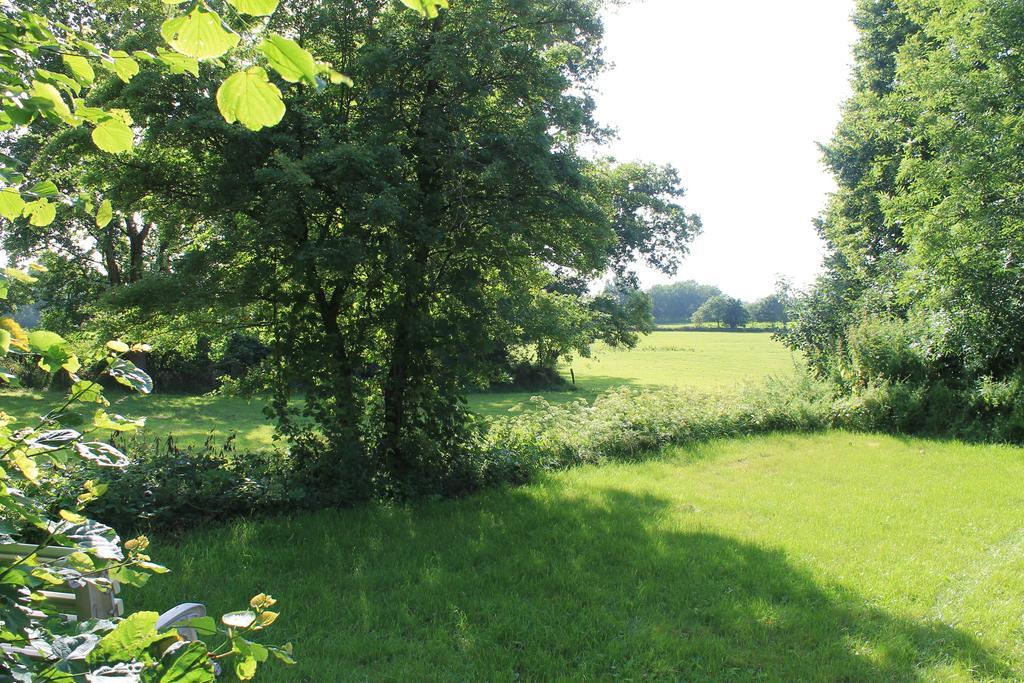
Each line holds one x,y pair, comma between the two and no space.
819,558
706,361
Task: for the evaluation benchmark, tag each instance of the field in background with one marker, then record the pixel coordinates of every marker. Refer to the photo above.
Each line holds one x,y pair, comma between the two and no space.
813,558
702,361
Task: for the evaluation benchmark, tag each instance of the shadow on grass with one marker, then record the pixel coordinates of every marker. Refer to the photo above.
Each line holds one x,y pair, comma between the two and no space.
546,586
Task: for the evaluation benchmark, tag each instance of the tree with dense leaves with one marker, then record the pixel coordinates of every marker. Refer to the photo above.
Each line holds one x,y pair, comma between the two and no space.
50,66
677,302
925,224
390,238
726,311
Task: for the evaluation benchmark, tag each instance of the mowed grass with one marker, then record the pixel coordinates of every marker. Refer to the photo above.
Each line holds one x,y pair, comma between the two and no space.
830,557
189,419
705,361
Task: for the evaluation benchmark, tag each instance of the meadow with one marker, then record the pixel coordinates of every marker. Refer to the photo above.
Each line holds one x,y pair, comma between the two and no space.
704,361
821,557
813,558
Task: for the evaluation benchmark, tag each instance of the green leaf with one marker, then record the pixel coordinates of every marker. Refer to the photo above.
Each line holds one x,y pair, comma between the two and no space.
50,97
80,68
53,350
288,59
177,63
131,376
239,619
128,640
123,65
255,8
101,454
105,214
45,188
199,34
114,136
116,423
11,203
5,341
87,392
40,213
20,276
251,99
204,626
428,8
189,664
245,668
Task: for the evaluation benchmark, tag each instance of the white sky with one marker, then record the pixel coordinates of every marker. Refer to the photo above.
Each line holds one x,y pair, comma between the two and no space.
735,94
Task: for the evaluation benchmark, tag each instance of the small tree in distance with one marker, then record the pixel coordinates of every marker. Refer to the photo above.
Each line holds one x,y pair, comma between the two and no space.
727,311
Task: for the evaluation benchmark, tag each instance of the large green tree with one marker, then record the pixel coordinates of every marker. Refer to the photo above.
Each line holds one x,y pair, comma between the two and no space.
388,236
925,223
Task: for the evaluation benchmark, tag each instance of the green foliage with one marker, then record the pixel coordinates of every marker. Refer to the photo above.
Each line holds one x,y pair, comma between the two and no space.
629,423
726,311
408,242
168,488
35,460
678,302
923,225
885,349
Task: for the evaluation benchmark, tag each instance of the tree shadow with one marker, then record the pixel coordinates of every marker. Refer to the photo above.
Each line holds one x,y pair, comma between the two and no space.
551,584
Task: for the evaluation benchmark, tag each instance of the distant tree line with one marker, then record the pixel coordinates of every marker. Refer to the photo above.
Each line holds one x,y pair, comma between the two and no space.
692,302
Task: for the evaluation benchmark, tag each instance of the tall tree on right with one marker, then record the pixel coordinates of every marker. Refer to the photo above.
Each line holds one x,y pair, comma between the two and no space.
925,225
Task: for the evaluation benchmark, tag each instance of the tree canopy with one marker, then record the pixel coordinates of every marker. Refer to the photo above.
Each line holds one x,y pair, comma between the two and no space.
925,226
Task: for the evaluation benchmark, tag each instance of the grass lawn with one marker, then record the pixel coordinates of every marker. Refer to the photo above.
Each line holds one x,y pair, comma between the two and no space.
828,557
707,361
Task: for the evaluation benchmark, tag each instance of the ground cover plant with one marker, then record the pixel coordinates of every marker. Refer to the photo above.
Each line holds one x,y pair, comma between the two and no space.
768,558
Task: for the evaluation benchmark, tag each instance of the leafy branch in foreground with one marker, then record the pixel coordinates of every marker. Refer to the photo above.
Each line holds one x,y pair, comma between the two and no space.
36,642
32,88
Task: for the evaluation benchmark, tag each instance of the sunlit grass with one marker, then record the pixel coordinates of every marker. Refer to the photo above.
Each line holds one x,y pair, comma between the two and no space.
827,557
705,361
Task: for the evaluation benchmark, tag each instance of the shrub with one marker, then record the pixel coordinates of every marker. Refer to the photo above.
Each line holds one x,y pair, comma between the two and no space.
241,354
885,349
183,370
626,423
170,488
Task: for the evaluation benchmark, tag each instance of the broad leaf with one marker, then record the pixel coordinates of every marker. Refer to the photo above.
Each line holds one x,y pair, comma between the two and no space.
40,213
105,214
11,203
19,338
239,619
50,97
251,99
114,136
178,63
255,8
199,34
125,672
20,276
187,663
128,640
116,423
123,65
289,60
428,8
131,376
80,68
101,454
